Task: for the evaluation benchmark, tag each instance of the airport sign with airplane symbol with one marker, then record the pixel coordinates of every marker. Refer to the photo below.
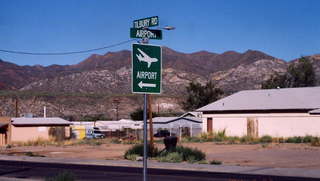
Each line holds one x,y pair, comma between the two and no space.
146,69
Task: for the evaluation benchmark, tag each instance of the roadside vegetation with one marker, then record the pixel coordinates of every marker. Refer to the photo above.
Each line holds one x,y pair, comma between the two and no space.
221,137
180,154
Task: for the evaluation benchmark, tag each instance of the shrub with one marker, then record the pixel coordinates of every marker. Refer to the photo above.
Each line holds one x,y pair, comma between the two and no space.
173,157
190,154
307,139
295,139
192,139
138,150
246,139
202,162
233,139
132,157
315,141
31,154
215,162
266,139
220,136
63,176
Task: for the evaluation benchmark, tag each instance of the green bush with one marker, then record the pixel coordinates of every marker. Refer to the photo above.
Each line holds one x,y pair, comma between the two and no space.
233,140
63,176
315,141
202,162
190,154
215,162
173,157
132,157
266,139
308,139
192,139
220,136
295,139
138,150
246,139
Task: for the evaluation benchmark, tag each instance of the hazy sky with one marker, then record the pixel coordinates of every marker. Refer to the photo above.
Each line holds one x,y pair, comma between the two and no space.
286,29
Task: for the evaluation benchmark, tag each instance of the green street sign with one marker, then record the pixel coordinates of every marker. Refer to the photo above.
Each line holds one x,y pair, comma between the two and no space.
146,69
145,33
146,22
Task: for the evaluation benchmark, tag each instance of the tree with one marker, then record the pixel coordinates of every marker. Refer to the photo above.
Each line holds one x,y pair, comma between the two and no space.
300,74
138,114
199,96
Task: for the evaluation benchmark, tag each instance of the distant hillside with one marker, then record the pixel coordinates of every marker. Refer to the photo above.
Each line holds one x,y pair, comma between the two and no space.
90,87
110,73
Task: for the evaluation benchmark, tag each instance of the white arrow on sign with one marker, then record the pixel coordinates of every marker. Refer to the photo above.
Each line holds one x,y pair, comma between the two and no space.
141,85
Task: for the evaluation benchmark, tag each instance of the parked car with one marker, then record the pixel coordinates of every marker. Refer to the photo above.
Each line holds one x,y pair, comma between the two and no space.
162,133
94,133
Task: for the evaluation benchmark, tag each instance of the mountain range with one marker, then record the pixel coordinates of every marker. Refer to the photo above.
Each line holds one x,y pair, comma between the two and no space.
110,74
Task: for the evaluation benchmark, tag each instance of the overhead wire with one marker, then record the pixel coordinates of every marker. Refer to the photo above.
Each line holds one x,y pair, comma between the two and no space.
66,53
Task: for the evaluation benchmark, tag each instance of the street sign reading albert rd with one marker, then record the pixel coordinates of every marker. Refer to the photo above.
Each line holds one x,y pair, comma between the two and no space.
146,22
146,69
145,33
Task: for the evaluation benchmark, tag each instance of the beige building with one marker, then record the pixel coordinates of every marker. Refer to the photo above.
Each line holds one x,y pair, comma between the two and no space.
24,129
275,112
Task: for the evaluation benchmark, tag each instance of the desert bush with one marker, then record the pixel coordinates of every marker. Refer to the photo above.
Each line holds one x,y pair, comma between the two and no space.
215,162
132,157
173,157
266,139
307,139
192,139
190,154
138,150
315,141
203,162
233,139
31,154
295,139
246,139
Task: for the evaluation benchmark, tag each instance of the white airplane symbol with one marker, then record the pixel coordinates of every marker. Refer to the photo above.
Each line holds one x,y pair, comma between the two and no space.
145,58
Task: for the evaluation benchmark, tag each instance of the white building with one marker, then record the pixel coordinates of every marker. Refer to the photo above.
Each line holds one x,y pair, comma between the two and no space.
275,112
179,126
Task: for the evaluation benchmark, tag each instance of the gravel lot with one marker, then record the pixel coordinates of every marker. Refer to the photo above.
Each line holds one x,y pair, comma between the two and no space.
272,155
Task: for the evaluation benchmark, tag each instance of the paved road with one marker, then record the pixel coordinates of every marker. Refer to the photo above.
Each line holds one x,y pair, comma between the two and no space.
40,171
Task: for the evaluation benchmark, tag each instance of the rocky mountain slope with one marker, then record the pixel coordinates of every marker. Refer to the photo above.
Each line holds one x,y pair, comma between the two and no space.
105,77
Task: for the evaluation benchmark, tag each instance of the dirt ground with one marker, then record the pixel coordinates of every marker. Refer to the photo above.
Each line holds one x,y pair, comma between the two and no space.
272,155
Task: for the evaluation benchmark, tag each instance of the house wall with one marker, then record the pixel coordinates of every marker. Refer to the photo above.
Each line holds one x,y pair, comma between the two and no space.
273,124
30,133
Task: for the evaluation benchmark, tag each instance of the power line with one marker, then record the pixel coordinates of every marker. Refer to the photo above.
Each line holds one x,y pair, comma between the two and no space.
66,53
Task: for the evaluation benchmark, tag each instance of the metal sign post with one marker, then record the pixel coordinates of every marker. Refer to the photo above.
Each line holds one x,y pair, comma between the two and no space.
146,70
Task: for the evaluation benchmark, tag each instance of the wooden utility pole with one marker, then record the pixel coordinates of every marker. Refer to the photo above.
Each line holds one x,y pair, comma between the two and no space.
17,107
150,120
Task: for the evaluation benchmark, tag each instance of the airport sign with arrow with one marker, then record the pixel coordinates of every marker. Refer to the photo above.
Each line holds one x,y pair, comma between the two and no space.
146,69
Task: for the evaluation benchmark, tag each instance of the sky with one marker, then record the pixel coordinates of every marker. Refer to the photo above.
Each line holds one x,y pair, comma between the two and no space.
285,29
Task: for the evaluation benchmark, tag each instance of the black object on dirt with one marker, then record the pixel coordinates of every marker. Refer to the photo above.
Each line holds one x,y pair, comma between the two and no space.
170,143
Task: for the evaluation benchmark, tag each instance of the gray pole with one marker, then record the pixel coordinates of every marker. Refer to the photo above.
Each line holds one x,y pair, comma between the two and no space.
145,139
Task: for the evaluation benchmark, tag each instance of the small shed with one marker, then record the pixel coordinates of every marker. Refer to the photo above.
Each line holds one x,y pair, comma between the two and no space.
28,129
180,126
